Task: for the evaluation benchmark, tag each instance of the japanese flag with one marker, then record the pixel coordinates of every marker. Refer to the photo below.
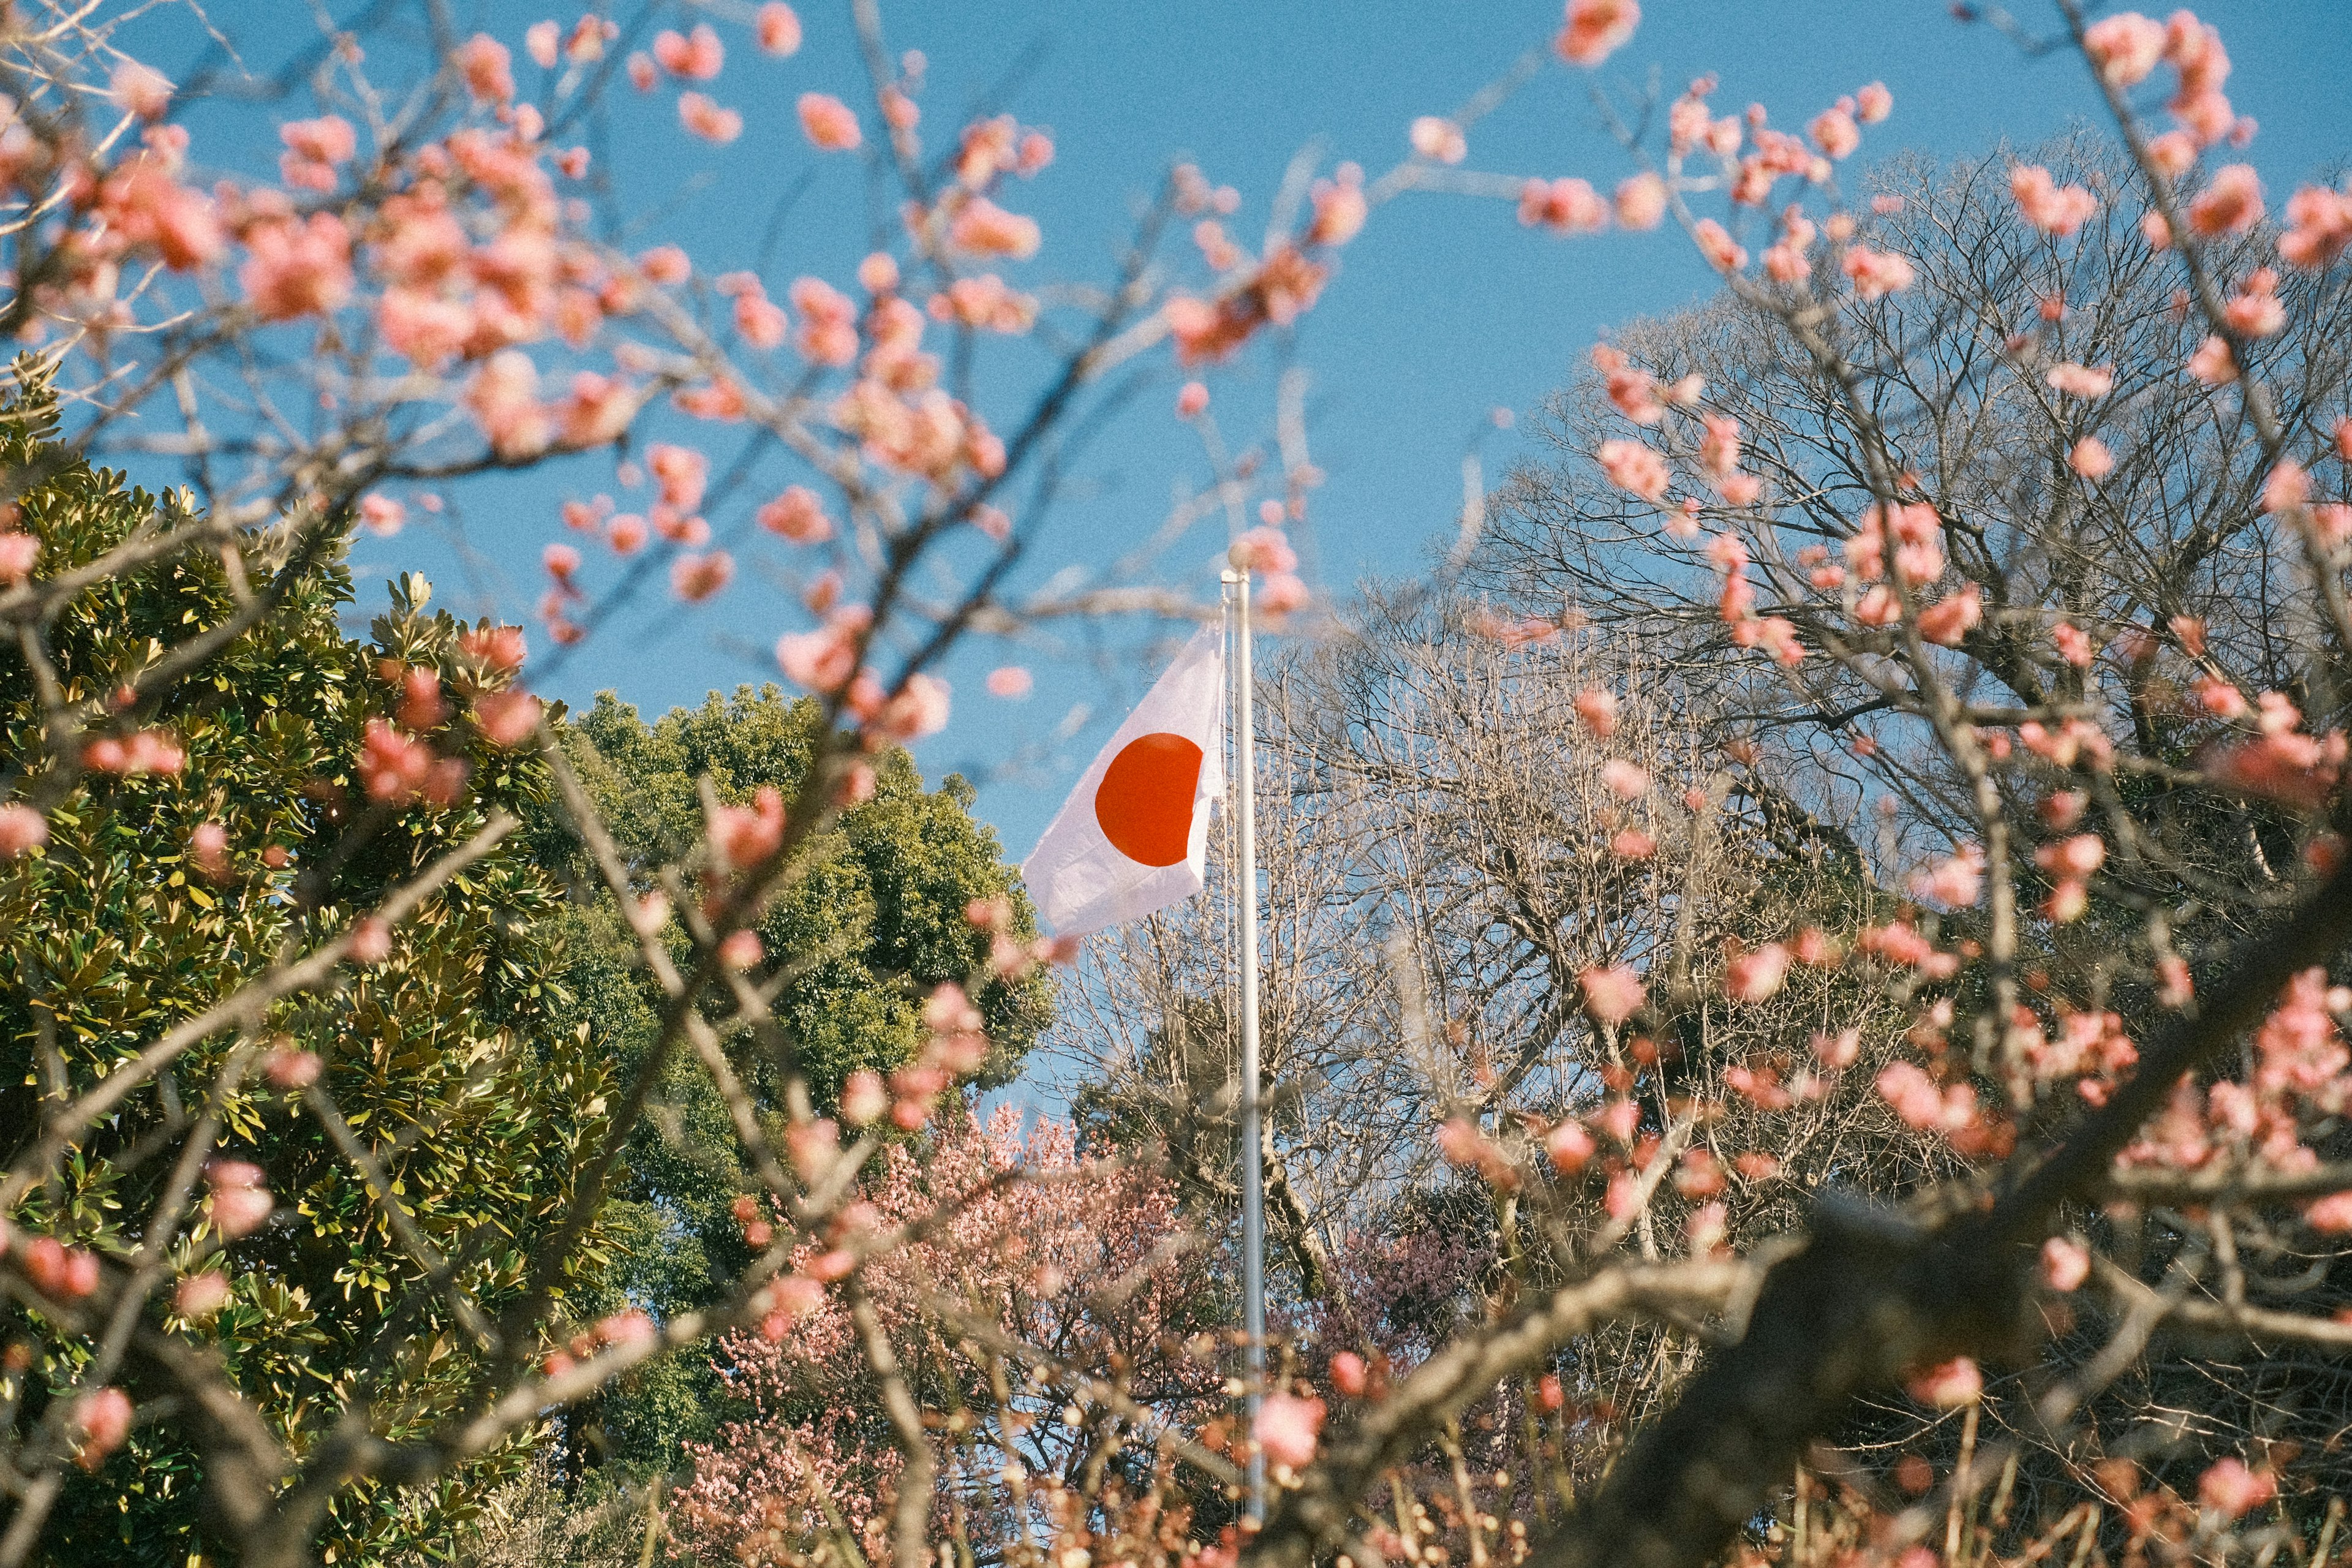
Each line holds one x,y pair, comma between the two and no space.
1133,835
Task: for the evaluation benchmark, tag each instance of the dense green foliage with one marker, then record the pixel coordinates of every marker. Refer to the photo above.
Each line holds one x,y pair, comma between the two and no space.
456,1058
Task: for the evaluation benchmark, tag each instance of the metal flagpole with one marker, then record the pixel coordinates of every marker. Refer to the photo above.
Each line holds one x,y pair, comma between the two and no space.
1253,1154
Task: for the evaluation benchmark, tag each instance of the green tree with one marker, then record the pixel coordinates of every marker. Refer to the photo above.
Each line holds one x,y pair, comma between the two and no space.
871,922
456,1059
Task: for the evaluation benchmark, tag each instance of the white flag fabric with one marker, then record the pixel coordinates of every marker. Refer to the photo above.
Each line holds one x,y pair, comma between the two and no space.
1134,835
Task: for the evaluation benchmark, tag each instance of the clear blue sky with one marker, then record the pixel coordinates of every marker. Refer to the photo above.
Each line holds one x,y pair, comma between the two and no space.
1444,308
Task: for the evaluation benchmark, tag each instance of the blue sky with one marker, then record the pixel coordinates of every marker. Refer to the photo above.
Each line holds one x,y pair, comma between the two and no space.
1444,309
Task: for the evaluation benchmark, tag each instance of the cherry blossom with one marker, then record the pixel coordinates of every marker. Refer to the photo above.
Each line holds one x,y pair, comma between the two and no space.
2125,47
1438,139
2232,1491
1613,995
708,119
696,57
1641,202
240,1203
140,90
830,124
1877,273
1594,30
2047,205
2231,203
1633,468
1756,975
22,831
779,29
1288,1428
102,1418
2064,1264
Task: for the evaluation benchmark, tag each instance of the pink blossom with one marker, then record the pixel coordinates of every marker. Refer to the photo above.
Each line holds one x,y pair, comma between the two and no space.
823,661
1283,593
1916,1097
140,89
241,1203
1627,781
2319,227
1949,621
1438,139
697,58
1597,710
980,227
103,1418
1634,468
2064,1264
2125,47
18,554
208,851
1641,202
862,1099
1955,881
2288,486
1340,207
2212,364
1287,1429
55,1269
139,751
503,398
2090,458
1954,1384
2047,205
695,578
1613,995
683,473
1262,550
797,515
2080,379
486,65
2254,311
2331,1215
541,40
919,709
1594,29
706,120
1191,401
1569,1146
508,717
740,949
2232,1491
1755,976
201,1295
297,268
1837,1052
1835,134
22,831
1010,682
830,124
1877,273
779,29
313,148
2231,202
1716,244
1568,206
1874,103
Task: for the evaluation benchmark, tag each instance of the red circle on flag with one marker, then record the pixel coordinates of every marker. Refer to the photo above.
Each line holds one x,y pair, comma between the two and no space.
1144,803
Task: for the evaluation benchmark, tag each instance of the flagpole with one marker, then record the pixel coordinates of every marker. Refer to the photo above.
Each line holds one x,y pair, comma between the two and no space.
1253,1152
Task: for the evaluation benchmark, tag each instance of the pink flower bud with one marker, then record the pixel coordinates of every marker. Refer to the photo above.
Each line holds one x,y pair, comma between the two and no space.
103,1415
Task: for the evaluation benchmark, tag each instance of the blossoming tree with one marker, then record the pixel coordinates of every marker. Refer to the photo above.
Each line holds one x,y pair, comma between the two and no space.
2097,695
